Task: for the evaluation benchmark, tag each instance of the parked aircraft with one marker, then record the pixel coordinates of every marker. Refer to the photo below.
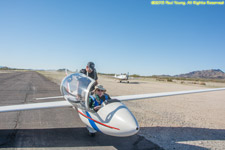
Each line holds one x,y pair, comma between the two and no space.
122,77
113,118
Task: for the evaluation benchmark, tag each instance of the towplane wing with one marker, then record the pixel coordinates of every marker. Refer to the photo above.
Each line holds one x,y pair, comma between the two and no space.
121,98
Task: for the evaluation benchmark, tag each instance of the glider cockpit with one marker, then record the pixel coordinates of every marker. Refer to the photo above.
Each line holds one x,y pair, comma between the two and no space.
76,88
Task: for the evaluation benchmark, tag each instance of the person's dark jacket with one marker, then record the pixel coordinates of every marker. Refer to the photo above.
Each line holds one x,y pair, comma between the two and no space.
92,75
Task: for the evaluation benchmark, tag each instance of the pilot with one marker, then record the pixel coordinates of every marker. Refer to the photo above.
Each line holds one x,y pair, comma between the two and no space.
98,97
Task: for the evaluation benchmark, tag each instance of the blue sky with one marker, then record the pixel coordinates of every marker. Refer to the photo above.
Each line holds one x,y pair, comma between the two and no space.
118,35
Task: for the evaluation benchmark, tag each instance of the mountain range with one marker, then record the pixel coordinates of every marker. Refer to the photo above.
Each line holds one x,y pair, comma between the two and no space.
207,74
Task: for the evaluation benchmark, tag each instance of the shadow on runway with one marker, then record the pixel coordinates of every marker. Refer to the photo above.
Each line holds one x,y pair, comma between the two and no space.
69,137
173,135
78,137
131,82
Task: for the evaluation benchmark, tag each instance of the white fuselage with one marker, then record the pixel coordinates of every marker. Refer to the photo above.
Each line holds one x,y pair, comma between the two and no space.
121,77
114,119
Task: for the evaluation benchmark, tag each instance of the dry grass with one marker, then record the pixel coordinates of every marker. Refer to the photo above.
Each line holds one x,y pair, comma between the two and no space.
55,76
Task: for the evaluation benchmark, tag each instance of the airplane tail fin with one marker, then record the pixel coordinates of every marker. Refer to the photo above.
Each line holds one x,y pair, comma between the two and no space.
127,75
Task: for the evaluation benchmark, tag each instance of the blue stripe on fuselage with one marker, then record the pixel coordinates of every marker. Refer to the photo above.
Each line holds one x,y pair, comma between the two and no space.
92,122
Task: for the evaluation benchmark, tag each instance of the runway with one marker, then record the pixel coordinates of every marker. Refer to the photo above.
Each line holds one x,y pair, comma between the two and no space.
58,128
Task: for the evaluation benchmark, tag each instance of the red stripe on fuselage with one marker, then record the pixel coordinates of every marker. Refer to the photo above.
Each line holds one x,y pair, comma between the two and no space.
97,121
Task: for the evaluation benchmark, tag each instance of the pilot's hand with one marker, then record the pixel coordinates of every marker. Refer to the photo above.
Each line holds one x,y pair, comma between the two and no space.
96,108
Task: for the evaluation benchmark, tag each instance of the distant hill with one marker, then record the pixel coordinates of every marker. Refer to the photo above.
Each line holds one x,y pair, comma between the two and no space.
4,68
63,70
207,74
9,68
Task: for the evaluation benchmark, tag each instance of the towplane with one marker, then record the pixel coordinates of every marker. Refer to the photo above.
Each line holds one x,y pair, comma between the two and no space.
113,118
122,77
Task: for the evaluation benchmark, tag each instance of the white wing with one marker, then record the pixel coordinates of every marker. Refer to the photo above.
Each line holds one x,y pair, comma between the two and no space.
35,106
44,98
121,98
153,95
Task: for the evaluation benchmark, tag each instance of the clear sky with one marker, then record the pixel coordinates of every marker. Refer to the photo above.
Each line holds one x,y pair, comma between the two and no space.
118,35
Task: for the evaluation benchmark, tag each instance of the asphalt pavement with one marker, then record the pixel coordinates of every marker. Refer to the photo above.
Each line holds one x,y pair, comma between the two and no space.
56,128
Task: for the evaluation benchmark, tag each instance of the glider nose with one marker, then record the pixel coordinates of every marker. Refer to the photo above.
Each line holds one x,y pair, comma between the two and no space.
121,121
130,124
125,121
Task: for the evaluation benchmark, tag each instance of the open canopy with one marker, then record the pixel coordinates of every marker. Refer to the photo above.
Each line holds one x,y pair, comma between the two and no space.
76,87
